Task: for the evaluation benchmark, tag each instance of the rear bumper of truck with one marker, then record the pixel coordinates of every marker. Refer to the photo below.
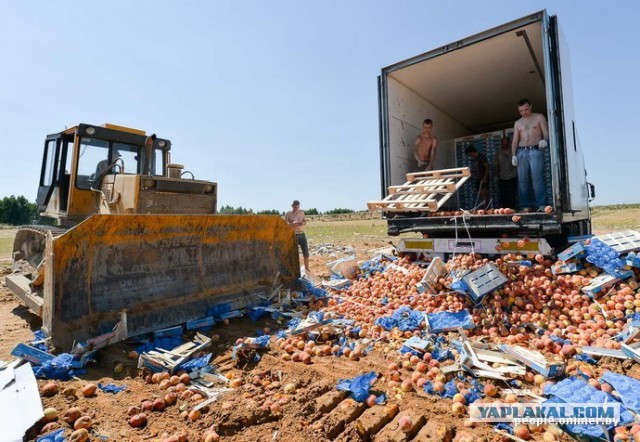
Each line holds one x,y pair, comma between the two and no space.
530,224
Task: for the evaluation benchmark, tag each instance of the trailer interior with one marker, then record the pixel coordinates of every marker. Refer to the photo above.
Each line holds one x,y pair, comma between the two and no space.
470,89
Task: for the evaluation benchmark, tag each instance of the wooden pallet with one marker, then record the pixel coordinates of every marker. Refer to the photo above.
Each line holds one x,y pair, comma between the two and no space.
423,191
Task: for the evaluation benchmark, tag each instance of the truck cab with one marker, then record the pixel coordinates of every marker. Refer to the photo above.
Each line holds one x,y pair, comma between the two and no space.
470,89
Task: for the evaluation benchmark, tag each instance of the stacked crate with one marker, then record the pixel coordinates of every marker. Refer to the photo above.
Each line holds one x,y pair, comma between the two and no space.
488,144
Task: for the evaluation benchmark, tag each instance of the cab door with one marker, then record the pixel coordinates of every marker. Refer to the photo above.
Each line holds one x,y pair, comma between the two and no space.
49,170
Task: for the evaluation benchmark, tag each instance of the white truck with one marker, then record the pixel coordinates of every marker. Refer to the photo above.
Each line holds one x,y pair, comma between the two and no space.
470,89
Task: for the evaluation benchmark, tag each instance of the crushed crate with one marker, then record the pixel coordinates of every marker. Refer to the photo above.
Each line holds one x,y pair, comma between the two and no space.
570,267
601,352
632,351
168,360
435,271
483,281
535,361
577,251
481,361
602,282
633,260
621,242
631,330
31,354
196,324
448,321
414,343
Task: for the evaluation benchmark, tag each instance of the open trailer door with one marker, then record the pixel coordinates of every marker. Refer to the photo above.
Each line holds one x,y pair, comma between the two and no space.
571,161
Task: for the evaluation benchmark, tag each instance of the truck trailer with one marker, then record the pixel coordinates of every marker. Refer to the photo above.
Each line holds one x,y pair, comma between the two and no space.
470,89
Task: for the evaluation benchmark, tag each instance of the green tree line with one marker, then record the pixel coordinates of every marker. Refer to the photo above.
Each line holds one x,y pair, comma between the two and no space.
18,211
230,210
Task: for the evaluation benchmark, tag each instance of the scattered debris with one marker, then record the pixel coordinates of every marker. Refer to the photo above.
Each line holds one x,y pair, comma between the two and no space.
20,405
170,360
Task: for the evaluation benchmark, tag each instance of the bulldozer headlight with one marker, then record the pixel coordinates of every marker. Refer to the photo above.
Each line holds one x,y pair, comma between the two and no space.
208,188
90,130
162,143
149,184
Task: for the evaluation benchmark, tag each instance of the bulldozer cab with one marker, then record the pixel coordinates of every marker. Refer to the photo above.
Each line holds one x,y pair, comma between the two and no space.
90,169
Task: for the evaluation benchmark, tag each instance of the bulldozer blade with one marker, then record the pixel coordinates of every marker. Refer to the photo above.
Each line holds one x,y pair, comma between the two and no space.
163,270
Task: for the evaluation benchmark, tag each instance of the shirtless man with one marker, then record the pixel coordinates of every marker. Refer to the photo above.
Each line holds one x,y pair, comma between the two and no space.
425,147
530,139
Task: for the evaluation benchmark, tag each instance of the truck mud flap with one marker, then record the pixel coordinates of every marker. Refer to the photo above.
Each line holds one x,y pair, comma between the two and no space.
163,270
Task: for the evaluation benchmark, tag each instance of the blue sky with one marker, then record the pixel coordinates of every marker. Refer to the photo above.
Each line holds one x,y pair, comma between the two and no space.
277,100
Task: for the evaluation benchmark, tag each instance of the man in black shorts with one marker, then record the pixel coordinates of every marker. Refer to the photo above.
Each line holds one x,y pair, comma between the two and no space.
479,172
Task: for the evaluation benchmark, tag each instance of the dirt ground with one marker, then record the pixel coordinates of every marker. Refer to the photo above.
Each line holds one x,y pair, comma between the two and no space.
241,414
260,410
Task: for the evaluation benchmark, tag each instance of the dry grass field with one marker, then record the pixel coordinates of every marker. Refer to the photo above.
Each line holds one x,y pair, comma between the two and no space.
371,232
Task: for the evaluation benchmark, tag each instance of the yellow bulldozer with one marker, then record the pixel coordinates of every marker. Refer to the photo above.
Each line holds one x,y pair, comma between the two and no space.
137,242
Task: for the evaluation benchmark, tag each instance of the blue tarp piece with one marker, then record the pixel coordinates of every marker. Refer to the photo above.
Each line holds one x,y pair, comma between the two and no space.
167,343
574,390
255,313
628,389
450,389
355,331
309,289
558,340
475,392
404,349
375,264
112,388
604,256
55,436
39,336
194,363
294,323
428,388
404,318
57,368
164,343
440,353
262,341
504,427
586,358
381,399
281,334
218,310
316,316
359,386
277,315
459,286
444,321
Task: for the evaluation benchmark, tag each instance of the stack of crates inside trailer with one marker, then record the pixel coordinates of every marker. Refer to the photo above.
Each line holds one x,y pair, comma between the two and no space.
488,144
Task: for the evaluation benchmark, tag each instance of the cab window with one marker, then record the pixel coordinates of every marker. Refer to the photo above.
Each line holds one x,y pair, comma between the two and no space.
92,154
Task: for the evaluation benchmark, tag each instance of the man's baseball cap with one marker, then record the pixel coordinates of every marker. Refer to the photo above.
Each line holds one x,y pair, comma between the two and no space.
295,203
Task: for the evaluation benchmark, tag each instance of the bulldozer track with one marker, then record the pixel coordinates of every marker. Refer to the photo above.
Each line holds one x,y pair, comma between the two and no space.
29,242
333,416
